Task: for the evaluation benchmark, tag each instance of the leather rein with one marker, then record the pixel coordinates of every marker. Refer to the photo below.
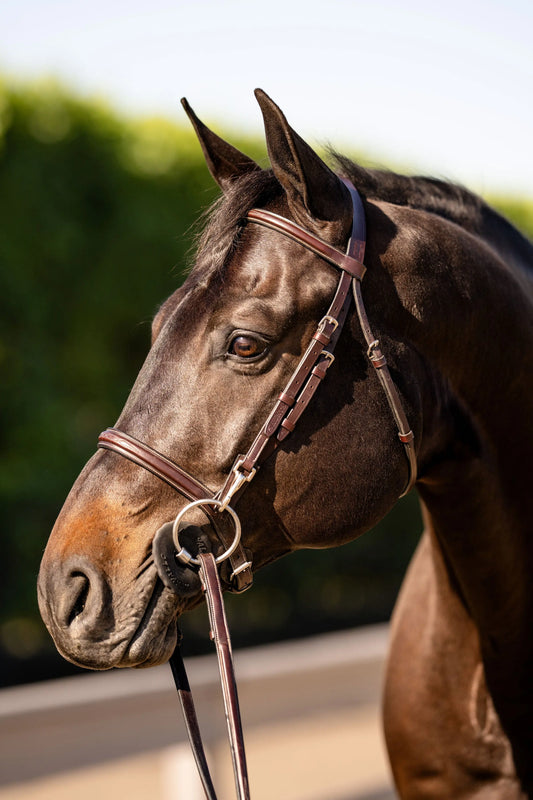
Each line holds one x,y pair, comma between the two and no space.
233,563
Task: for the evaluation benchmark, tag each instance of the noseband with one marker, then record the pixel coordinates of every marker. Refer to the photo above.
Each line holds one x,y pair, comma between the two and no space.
281,421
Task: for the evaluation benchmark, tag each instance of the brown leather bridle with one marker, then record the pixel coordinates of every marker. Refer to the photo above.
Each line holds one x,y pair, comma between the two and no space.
281,421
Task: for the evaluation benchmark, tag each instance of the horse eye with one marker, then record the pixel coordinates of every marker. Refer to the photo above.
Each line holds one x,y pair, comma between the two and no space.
245,347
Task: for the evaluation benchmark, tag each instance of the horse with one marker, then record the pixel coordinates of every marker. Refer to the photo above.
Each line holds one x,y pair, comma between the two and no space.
448,285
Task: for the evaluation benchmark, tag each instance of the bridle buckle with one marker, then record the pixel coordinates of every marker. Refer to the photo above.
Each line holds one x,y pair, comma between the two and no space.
327,354
328,320
237,480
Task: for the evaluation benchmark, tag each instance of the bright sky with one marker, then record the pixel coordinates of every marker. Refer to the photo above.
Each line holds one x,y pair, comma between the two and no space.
445,88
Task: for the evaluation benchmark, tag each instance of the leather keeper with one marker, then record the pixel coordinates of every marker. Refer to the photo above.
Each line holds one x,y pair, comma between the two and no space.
350,265
378,362
321,369
322,337
288,425
286,398
406,437
247,466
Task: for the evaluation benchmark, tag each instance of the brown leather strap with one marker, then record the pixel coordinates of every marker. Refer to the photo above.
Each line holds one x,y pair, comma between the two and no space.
299,390
191,722
353,272
345,261
221,638
220,635
155,462
324,361
379,362
312,367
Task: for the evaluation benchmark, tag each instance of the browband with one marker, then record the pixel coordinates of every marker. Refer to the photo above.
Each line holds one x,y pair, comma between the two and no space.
345,261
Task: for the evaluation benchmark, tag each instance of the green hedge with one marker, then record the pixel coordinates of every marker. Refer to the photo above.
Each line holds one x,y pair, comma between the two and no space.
95,229
95,218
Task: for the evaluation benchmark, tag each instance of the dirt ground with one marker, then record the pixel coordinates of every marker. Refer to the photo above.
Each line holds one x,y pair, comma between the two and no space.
330,757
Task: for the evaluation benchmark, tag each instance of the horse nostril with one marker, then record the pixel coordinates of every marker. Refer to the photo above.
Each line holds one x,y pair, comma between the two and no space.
82,596
80,591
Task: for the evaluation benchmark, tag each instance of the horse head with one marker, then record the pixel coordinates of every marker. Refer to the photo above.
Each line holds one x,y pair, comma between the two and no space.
223,347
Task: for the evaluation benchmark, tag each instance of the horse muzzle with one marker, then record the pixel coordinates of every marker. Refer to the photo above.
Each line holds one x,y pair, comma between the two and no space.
99,625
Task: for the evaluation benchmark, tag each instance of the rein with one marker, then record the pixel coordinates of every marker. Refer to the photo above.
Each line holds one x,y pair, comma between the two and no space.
235,565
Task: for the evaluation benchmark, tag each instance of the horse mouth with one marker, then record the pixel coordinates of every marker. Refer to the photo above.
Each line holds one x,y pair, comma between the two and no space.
155,637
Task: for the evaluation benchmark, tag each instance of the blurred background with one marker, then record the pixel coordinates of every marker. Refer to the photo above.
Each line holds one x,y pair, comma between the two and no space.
101,180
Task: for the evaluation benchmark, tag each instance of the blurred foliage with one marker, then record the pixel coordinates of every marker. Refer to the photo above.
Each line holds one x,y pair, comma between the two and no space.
96,215
95,226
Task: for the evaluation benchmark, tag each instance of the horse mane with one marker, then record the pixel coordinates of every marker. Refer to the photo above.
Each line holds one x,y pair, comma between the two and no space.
223,222
444,199
448,200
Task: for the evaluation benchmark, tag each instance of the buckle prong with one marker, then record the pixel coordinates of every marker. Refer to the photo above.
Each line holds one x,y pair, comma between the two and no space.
371,347
328,319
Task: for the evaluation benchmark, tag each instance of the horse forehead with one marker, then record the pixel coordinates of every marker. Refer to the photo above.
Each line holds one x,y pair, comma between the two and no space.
268,265
268,276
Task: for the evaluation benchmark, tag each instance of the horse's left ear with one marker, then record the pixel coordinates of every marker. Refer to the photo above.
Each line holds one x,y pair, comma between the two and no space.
225,162
316,196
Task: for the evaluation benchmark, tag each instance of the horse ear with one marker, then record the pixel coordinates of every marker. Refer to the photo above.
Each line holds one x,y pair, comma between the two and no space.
225,162
316,196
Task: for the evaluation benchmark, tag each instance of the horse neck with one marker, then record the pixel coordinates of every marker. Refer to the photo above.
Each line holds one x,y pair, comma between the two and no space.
482,528
485,538
512,247
479,339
